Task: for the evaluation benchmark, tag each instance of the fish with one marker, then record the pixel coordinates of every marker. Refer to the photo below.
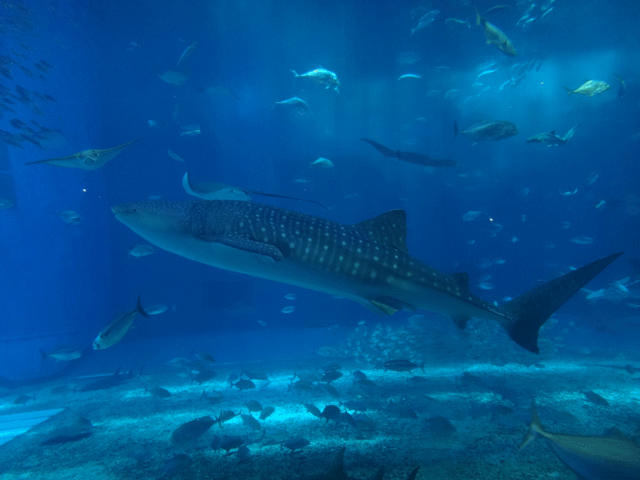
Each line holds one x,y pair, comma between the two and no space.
425,20
70,217
72,431
582,240
295,443
322,162
322,76
158,392
452,22
251,422
174,78
291,296
222,191
244,384
86,159
118,328
596,399
495,36
498,7
313,410
227,443
410,157
590,457
409,75
190,130
6,203
155,309
175,156
368,262
402,365
487,130
551,139
487,72
296,104
63,354
141,250
622,88
289,309
192,430
181,64
266,412
590,88
107,382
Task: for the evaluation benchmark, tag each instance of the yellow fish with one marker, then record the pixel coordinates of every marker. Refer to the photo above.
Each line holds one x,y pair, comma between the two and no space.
590,88
86,159
495,36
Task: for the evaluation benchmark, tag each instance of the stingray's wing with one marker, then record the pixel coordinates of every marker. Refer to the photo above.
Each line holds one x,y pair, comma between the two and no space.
69,159
103,156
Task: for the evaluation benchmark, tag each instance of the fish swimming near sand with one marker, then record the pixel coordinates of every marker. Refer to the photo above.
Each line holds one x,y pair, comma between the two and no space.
410,157
487,130
86,159
591,458
367,262
551,139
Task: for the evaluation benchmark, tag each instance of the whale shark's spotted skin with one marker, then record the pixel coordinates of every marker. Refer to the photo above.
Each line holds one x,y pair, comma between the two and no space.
367,262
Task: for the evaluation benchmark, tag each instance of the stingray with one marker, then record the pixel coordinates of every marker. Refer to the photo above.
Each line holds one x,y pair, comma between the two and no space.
222,191
86,159
410,157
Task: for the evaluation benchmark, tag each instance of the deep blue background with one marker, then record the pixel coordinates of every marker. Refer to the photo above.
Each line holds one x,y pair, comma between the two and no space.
61,284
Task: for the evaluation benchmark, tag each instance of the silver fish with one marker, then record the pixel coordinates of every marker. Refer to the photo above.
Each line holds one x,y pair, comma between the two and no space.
118,328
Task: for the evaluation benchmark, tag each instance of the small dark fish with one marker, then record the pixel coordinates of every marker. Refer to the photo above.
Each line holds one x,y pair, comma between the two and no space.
204,376
331,376
359,375
227,443
295,443
158,392
176,464
205,357
330,412
214,399
192,430
439,425
402,366
244,384
15,123
255,375
313,410
243,453
251,422
365,382
225,416
330,390
253,405
355,405
23,399
61,390
595,398
331,366
76,430
266,413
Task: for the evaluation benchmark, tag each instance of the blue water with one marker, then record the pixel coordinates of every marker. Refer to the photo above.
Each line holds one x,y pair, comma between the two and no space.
61,284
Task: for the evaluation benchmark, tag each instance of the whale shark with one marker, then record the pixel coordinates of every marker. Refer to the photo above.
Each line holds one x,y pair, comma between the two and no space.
367,262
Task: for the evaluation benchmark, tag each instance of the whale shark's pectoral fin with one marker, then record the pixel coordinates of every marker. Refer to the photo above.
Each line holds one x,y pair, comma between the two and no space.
389,305
245,244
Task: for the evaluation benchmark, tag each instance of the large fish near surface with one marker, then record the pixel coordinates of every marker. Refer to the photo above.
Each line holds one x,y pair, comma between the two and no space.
367,262
591,458
495,36
411,157
487,130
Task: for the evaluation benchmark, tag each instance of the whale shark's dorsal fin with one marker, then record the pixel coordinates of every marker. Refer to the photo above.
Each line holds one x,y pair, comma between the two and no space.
389,228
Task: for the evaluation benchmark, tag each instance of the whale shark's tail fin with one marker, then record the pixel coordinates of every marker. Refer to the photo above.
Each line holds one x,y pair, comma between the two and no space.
528,312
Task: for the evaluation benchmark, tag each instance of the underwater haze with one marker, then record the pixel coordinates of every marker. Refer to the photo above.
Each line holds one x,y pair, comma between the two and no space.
321,240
